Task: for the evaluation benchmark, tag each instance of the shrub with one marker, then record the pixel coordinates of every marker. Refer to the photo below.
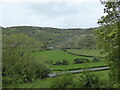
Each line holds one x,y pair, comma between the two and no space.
90,80
63,62
24,71
49,62
95,59
84,80
58,63
80,60
62,82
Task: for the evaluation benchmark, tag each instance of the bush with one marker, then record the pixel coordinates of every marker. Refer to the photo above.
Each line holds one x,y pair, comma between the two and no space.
63,62
80,60
42,70
89,80
7,80
95,59
49,62
58,63
84,80
24,71
62,82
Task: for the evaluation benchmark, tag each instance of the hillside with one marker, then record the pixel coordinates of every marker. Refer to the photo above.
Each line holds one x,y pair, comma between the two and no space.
56,37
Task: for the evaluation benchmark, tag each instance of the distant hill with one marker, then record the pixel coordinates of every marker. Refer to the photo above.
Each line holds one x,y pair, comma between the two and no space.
56,37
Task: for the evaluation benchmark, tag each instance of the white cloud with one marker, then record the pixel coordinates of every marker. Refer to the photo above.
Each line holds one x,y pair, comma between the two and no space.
49,0
52,14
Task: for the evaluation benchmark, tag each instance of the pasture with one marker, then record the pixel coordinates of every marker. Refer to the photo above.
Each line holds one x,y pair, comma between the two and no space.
90,52
77,66
59,55
54,56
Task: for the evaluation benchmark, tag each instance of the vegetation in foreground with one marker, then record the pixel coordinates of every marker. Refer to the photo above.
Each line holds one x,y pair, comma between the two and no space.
64,81
108,37
17,66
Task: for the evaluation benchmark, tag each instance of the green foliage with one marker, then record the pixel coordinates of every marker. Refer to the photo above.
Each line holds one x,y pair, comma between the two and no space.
63,62
108,36
21,43
48,82
24,71
89,80
62,82
17,66
84,80
96,59
58,38
81,60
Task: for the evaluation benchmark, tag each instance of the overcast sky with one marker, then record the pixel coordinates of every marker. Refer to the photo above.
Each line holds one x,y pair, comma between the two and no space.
51,14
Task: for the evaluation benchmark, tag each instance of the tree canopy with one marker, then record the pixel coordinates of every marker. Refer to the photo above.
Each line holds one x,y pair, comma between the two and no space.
108,36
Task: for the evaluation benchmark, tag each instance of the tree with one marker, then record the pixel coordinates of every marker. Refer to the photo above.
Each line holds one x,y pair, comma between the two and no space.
17,67
21,43
108,36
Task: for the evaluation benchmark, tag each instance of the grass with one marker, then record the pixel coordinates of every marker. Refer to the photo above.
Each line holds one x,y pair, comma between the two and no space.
77,66
59,55
91,52
47,82
41,83
54,55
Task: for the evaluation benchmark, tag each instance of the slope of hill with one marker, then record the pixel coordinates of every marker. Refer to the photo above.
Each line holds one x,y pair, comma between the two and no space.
58,38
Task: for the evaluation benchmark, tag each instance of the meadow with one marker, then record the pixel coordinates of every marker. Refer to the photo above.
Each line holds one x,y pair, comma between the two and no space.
59,55
91,52
54,55
77,66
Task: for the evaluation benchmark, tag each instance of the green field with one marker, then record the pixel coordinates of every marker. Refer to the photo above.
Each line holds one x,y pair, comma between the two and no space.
77,66
59,55
90,52
55,55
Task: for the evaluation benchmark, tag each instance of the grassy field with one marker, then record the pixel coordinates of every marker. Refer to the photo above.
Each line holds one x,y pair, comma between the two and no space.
91,52
54,55
46,83
77,66
59,55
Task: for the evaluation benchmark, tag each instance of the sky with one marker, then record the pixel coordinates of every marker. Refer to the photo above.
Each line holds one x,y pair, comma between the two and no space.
51,13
